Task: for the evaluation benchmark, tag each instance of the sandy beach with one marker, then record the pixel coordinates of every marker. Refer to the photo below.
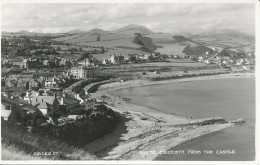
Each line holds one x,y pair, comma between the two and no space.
144,133
135,83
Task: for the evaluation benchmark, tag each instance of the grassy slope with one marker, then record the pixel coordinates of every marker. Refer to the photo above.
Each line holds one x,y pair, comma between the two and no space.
20,145
167,44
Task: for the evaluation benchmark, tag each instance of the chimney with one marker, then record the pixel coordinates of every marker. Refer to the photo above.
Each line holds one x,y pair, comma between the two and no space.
61,101
55,95
36,93
42,100
27,93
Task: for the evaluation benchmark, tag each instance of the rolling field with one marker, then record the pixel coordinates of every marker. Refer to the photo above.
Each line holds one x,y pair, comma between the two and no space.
114,51
126,42
171,49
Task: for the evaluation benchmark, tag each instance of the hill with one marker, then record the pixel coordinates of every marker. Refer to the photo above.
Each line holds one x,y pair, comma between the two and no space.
227,39
131,29
124,39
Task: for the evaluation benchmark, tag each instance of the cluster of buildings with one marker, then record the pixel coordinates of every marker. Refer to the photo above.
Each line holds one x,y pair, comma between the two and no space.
37,107
31,63
233,59
225,61
34,81
120,59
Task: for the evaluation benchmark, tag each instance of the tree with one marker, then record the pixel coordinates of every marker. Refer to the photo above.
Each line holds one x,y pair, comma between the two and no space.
58,48
84,55
98,37
102,49
150,58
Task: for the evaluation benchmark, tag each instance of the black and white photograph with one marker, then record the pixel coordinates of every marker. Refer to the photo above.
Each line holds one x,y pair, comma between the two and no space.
129,81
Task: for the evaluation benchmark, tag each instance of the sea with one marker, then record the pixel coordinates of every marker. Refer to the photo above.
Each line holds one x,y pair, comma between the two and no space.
231,98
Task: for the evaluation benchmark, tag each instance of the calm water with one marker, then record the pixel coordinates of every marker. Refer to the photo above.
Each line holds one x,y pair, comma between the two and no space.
229,98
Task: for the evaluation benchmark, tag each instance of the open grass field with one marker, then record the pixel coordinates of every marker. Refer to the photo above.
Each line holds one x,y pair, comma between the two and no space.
171,49
125,42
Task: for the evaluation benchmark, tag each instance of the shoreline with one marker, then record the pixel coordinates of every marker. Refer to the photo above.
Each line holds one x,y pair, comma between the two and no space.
144,128
140,83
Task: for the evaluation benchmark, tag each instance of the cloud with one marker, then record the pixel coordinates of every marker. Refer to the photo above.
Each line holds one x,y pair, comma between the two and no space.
193,18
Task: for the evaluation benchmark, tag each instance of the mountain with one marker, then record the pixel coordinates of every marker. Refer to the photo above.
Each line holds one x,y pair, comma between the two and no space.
75,31
98,31
131,29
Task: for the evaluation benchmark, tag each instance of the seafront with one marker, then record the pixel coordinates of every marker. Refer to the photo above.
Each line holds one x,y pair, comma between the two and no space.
143,130
136,83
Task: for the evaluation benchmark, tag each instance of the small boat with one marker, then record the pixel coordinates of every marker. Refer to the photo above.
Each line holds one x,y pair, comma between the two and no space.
238,121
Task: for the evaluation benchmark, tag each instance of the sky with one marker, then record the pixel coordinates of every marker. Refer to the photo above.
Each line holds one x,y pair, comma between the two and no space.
167,18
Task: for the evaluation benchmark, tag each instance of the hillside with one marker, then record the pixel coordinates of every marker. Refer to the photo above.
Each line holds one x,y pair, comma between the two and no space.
17,144
131,29
182,43
227,39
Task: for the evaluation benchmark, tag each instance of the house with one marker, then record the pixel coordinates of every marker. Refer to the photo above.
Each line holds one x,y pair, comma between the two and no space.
50,82
7,115
239,61
17,110
18,64
30,63
11,82
5,62
68,102
87,101
34,84
48,105
86,62
46,63
200,58
64,62
176,56
206,61
31,115
224,62
105,62
25,63
147,56
8,109
116,59
246,68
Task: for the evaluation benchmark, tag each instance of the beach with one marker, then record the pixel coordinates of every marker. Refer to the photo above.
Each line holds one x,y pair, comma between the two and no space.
143,128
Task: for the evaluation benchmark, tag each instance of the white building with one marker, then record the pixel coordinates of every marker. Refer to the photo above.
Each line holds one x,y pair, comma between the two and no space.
50,82
81,72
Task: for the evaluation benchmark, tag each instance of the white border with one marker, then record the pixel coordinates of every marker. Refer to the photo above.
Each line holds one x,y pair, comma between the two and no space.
257,68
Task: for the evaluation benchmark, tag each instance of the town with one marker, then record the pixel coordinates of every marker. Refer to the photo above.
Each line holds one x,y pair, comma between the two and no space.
36,72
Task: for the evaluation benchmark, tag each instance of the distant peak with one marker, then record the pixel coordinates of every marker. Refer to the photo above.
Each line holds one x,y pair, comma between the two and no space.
96,30
134,25
132,28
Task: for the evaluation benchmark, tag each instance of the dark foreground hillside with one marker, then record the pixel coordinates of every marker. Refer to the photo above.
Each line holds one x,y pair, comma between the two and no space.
55,142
